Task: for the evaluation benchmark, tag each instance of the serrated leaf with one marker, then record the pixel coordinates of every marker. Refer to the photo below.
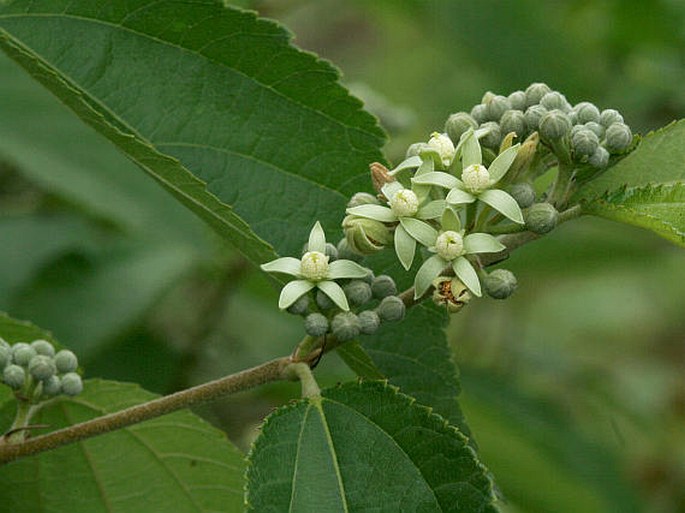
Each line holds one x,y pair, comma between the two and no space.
358,360
173,463
364,447
254,123
660,209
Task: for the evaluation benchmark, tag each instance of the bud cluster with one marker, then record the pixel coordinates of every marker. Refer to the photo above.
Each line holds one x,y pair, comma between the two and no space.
37,372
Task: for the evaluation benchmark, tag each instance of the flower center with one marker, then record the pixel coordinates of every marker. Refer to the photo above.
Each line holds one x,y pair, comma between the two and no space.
314,266
476,178
404,203
449,245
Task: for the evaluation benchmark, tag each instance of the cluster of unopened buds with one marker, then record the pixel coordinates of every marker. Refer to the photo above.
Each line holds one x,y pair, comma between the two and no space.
453,198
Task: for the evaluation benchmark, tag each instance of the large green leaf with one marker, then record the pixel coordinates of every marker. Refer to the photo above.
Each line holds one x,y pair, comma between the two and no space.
364,447
658,208
254,123
174,463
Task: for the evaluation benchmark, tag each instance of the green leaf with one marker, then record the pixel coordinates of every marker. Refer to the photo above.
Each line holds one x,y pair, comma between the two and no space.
174,463
658,208
364,447
13,331
356,359
213,103
660,158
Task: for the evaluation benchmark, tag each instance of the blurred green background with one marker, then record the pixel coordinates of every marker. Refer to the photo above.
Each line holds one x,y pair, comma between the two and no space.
574,388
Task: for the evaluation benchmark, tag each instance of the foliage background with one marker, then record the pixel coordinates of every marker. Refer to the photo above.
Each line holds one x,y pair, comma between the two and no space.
575,388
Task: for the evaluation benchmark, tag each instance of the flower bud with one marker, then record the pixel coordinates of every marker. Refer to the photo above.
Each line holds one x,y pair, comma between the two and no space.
555,100
533,115
22,354
584,142
365,236
610,116
43,347
495,107
346,252
458,124
513,121
416,149
52,386
451,293
299,307
541,218
391,309
380,175
316,325
444,147
586,112
358,292
596,128
345,326
324,302
618,138
362,198
554,125
66,361
368,322
478,113
535,92
500,284
523,193
72,384
476,178
600,158
517,100
493,137
383,286
524,157
14,376
42,367
5,357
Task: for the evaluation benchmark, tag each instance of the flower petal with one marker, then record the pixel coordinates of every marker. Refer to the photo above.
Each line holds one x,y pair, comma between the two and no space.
467,274
450,220
317,239
335,292
294,291
482,243
432,210
405,247
285,265
430,269
503,203
438,178
346,269
502,163
471,151
419,230
409,163
391,188
428,166
376,212
459,197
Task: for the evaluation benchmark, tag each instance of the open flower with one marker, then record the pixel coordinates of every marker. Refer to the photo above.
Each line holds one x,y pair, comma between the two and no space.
314,271
476,180
451,247
405,207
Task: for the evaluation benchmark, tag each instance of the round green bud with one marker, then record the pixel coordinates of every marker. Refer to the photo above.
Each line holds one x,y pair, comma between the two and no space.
3,343
391,309
500,284
358,292
535,92
5,356
458,123
618,138
365,236
595,127
478,113
541,218
299,307
383,286
369,277
66,361
369,321
72,384
555,100
610,116
585,142
316,325
533,115
416,149
362,198
600,158
22,353
495,107
346,326
517,100
323,301
586,112
573,117
41,367
14,376
52,386
345,251
43,347
554,125
493,137
513,121
523,193
331,252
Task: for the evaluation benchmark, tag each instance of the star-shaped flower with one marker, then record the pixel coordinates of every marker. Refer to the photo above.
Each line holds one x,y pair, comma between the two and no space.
314,271
476,180
451,248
